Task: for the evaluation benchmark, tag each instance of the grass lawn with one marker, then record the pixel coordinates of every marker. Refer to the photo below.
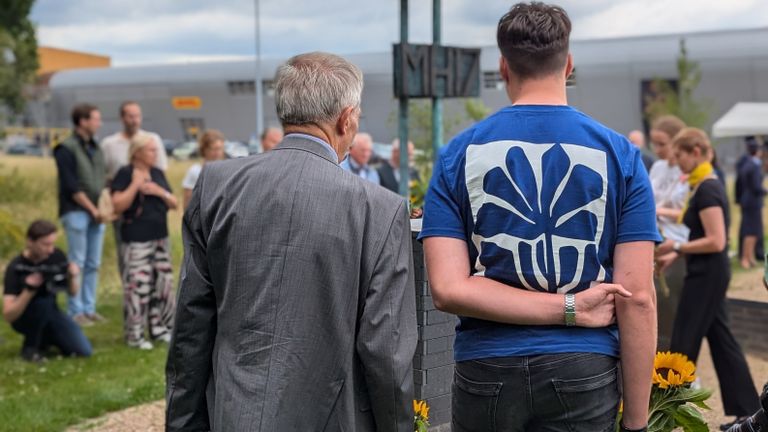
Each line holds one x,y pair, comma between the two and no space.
65,391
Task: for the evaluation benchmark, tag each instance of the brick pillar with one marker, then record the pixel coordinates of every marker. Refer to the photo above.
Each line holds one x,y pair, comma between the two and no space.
433,362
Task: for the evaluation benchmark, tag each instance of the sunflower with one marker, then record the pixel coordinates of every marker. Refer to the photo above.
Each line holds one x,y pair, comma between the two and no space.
672,370
420,409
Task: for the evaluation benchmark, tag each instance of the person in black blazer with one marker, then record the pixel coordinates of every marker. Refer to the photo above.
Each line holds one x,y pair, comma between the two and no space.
389,171
750,195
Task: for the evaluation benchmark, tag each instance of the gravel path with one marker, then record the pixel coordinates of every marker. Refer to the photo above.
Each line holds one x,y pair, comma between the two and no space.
143,418
746,286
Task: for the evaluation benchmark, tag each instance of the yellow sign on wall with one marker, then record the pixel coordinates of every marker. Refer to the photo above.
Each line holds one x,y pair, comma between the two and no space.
187,102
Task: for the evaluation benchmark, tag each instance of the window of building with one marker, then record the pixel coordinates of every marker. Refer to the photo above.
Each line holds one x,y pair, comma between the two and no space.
241,87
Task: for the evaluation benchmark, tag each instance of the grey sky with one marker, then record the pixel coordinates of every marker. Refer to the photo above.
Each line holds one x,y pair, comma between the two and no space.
161,31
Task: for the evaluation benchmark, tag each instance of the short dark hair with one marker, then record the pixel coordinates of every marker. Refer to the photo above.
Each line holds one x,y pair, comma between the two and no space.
40,228
125,104
533,39
82,112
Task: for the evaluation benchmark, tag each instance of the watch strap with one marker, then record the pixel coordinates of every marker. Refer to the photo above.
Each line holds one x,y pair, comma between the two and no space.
570,310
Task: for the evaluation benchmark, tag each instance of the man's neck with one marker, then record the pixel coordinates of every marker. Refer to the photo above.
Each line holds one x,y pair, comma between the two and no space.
321,132
129,134
545,91
357,164
26,253
395,163
83,134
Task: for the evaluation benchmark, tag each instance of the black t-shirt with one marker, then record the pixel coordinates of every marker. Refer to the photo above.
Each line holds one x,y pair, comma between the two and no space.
146,218
710,193
53,269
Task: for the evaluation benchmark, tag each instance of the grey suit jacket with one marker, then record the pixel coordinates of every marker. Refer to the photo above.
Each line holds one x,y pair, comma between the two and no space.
296,309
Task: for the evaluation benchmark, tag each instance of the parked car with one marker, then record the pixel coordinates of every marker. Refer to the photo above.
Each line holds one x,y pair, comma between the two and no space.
184,151
235,149
24,148
169,146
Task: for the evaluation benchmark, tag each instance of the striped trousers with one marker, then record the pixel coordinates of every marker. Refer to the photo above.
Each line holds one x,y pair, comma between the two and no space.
148,300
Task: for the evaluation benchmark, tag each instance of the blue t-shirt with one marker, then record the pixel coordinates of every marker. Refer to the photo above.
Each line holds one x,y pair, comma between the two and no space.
541,194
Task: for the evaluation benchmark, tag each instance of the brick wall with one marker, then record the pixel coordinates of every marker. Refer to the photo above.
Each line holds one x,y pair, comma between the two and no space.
749,322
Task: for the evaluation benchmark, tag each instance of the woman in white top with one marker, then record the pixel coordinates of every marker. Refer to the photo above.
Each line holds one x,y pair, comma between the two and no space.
211,148
670,191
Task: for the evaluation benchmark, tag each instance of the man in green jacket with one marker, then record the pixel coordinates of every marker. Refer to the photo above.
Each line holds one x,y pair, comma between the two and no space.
81,173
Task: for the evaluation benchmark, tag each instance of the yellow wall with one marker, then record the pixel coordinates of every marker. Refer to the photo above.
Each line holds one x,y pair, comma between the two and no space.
55,59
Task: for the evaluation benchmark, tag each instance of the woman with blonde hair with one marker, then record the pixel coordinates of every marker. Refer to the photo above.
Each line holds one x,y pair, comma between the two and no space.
141,196
210,148
702,312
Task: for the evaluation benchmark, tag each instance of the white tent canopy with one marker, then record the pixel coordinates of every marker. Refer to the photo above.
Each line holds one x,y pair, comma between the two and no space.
744,118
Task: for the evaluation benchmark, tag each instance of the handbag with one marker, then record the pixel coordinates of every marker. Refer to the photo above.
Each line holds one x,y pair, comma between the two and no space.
105,206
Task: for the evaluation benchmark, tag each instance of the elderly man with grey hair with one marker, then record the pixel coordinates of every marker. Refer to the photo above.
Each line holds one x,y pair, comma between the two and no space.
296,309
359,155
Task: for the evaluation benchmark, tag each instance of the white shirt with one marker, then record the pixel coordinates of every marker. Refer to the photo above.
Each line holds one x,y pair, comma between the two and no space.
190,179
670,191
115,148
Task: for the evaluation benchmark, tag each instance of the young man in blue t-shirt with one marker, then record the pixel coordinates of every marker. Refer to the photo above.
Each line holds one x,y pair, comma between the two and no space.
529,212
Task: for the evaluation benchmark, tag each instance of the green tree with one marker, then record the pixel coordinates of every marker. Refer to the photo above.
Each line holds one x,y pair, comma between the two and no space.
420,125
681,102
420,132
18,53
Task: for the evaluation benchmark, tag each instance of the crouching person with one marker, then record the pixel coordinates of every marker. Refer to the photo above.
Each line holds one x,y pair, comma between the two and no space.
32,281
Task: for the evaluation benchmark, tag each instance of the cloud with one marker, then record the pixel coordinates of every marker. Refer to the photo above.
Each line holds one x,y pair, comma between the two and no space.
146,31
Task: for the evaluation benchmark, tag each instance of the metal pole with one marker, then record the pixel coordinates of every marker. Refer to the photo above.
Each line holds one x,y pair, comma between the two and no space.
437,103
257,77
403,117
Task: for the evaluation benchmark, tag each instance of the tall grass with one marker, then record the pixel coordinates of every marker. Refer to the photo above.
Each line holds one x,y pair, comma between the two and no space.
62,392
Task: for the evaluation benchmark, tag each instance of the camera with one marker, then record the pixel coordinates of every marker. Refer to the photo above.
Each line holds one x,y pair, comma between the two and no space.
758,422
55,276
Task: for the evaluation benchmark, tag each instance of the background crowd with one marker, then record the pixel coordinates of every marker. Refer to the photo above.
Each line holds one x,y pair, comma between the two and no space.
120,180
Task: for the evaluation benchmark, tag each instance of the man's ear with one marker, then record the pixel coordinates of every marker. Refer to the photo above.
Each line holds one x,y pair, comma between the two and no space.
569,68
345,121
504,69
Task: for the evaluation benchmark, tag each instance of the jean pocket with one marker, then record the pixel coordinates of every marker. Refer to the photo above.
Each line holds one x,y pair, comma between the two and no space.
474,404
589,403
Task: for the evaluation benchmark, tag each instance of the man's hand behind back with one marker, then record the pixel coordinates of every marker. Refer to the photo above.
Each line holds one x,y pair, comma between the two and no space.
595,307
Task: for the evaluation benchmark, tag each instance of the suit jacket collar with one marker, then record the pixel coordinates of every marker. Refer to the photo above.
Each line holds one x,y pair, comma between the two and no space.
308,145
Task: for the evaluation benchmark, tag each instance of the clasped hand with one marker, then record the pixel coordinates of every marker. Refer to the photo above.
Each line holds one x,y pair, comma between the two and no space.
596,306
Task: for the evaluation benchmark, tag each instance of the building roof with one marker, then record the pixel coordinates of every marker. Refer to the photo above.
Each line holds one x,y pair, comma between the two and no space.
56,59
729,44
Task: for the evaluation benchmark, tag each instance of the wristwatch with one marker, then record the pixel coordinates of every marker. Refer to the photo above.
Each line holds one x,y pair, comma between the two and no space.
676,246
570,310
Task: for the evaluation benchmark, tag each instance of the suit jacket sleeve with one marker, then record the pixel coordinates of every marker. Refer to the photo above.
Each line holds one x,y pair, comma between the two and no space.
387,335
189,363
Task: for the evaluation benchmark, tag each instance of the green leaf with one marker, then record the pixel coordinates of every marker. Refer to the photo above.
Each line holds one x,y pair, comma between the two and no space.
420,426
660,422
690,419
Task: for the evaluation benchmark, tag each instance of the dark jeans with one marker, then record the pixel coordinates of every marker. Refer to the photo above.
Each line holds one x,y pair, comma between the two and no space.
557,392
44,325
